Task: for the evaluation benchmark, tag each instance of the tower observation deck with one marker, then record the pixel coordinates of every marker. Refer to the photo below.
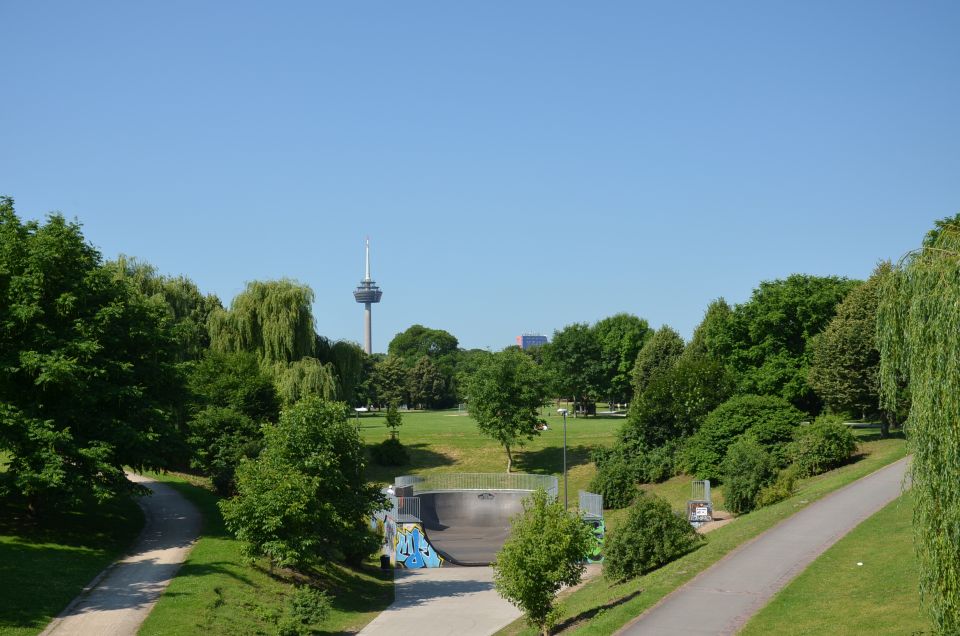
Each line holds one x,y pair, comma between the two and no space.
367,293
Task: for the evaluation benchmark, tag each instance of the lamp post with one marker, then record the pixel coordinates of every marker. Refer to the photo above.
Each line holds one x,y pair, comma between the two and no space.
563,412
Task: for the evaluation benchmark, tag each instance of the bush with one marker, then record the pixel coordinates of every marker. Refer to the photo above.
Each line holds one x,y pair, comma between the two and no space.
390,452
821,446
778,490
651,536
658,464
615,479
305,608
772,421
747,469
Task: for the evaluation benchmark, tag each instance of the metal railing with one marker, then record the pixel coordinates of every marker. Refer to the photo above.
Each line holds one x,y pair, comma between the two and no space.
478,481
701,490
404,508
591,504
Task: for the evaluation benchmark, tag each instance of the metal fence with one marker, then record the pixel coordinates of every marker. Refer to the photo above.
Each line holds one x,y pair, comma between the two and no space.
478,481
591,504
701,490
404,508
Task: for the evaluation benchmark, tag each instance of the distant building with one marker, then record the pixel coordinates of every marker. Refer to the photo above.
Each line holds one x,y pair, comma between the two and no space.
528,340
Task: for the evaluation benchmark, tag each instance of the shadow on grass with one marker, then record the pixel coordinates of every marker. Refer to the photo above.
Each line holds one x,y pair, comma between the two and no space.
549,461
873,437
593,611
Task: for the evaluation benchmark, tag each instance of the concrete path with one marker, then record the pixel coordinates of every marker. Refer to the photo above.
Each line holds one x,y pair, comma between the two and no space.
723,597
457,601
118,600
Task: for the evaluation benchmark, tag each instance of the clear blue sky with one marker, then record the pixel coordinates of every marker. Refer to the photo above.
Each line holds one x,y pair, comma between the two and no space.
518,166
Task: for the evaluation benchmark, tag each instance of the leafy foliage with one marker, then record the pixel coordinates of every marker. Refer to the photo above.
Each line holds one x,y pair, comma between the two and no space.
918,330
574,360
651,536
306,608
770,420
615,479
426,384
88,381
305,377
658,355
504,395
305,497
390,452
394,420
390,381
747,469
821,446
418,341
676,401
544,553
621,338
780,489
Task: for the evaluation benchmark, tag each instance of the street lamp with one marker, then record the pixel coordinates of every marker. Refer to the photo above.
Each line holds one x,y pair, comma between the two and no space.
563,412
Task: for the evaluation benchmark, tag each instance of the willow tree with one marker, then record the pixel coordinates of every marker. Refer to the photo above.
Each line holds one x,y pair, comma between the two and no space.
918,332
269,318
273,320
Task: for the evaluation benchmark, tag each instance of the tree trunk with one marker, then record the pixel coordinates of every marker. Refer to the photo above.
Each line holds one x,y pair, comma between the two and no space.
885,422
509,457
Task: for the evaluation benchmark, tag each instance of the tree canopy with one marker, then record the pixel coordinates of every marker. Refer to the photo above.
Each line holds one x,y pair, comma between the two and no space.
658,354
574,359
504,395
621,338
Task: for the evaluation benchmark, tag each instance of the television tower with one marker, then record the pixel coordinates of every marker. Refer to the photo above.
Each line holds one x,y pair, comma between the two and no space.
367,293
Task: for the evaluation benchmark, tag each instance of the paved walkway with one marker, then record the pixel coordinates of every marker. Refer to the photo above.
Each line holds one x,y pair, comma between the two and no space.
456,601
723,597
119,599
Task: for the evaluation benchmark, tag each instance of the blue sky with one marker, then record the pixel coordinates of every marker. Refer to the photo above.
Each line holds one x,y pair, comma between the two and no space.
518,166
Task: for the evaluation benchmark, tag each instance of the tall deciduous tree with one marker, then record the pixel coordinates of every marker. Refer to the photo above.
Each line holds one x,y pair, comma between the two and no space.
621,338
658,354
426,384
87,367
918,330
504,395
390,379
574,359
418,341
845,360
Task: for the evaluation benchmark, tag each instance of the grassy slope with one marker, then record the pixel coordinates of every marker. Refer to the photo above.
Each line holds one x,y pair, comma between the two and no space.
836,596
442,441
43,566
218,592
601,608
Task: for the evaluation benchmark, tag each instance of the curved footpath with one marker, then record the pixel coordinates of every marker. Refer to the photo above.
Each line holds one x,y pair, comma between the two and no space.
118,600
723,597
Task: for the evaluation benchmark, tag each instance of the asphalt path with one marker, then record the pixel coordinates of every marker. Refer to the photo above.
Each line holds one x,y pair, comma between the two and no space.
119,599
722,598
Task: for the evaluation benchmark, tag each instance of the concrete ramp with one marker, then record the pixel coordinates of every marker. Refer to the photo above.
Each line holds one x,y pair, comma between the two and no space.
468,527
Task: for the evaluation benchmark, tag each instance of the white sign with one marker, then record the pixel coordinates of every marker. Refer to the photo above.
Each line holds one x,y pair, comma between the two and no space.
702,511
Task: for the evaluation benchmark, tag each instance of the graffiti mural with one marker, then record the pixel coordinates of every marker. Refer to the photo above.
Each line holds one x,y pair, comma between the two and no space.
412,550
599,530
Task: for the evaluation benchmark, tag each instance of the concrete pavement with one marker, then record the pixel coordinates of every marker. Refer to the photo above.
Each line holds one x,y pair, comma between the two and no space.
723,597
119,599
455,601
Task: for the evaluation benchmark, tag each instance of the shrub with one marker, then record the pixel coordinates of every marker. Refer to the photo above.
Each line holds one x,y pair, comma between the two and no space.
305,607
651,536
615,479
390,452
771,419
779,489
658,464
821,446
747,469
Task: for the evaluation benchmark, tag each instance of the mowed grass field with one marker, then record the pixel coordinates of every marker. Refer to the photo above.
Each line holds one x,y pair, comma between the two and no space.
445,441
837,595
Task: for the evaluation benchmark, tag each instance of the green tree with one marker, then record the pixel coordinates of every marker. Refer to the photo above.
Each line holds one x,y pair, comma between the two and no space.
390,380
88,378
426,384
621,338
714,335
918,331
574,359
418,341
658,354
504,395
305,497
676,401
747,469
845,361
545,552
770,333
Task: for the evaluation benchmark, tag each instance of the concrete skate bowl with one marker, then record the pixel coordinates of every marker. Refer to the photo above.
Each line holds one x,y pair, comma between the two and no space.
466,516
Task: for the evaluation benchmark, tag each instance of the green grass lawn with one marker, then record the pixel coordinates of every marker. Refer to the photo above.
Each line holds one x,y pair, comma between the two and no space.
836,596
443,441
44,564
601,608
217,591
